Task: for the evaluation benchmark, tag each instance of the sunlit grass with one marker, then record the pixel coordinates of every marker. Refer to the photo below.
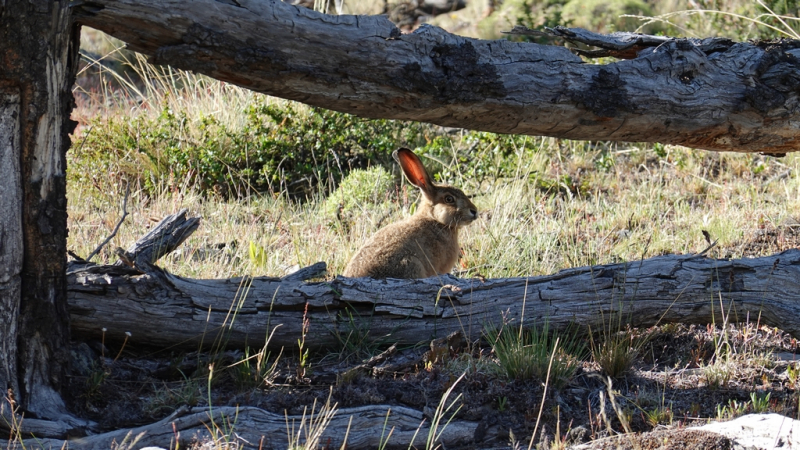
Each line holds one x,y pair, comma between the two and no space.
628,213
563,203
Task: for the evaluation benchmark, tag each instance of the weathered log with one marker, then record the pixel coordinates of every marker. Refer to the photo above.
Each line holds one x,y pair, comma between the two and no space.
729,96
621,45
160,308
165,237
250,427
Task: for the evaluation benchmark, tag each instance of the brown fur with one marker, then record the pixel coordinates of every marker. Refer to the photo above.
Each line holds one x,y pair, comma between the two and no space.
423,245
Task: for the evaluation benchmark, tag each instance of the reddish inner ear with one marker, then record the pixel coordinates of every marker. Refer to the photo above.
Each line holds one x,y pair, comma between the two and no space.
418,175
414,169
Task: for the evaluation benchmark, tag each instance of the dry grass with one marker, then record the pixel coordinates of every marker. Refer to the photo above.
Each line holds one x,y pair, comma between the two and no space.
523,229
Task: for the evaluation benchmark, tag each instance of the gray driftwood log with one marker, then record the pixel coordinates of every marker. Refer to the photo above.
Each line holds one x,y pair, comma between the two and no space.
159,308
725,96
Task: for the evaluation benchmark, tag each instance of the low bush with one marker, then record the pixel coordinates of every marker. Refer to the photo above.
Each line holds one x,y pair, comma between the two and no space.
284,148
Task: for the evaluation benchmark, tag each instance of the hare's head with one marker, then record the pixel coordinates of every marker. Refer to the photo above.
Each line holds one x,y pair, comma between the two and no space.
445,204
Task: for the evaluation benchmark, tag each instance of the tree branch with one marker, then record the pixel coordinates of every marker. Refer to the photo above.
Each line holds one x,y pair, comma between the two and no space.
727,96
116,228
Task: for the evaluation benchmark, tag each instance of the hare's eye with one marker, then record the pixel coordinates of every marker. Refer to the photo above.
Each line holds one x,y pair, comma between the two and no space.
449,199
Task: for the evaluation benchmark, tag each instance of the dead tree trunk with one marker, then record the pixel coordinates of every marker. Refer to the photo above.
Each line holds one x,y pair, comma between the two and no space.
39,45
162,309
716,95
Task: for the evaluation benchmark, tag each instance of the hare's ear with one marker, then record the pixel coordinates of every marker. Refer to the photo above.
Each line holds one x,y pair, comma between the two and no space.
414,170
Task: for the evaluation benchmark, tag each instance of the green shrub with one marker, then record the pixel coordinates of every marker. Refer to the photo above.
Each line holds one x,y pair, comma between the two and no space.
489,156
361,187
289,149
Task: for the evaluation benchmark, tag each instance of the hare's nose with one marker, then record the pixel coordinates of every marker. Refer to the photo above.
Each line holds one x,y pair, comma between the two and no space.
474,213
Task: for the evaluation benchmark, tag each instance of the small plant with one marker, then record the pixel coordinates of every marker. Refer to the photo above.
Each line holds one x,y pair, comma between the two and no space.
618,345
169,397
616,352
101,371
442,409
354,339
658,416
253,370
308,434
723,365
792,373
259,256
760,403
559,441
502,403
95,380
605,161
525,354
660,150
656,412
718,373
361,188
302,366
732,410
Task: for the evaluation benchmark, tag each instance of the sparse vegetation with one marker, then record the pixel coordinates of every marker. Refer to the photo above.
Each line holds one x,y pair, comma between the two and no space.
283,185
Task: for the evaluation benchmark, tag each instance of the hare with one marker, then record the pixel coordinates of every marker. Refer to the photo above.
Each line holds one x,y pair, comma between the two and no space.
423,245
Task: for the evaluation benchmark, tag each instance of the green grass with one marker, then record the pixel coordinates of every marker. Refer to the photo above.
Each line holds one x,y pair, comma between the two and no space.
535,352
736,19
523,230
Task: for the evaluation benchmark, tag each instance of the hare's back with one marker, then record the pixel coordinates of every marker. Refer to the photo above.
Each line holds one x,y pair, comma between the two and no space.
407,249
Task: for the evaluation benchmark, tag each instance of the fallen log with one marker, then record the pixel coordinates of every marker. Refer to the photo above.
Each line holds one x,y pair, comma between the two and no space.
370,426
162,309
159,308
713,94
249,427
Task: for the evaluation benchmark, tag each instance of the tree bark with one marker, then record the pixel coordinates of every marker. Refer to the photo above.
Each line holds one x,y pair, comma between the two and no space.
162,309
726,96
39,44
11,249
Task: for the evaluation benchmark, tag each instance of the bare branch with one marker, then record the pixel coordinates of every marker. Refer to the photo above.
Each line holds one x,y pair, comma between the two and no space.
116,228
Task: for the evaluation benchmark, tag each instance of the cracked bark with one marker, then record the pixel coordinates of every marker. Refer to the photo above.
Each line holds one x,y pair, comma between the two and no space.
39,43
710,94
167,310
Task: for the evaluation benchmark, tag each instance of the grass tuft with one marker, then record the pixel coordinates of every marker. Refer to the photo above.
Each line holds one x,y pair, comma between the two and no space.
527,354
